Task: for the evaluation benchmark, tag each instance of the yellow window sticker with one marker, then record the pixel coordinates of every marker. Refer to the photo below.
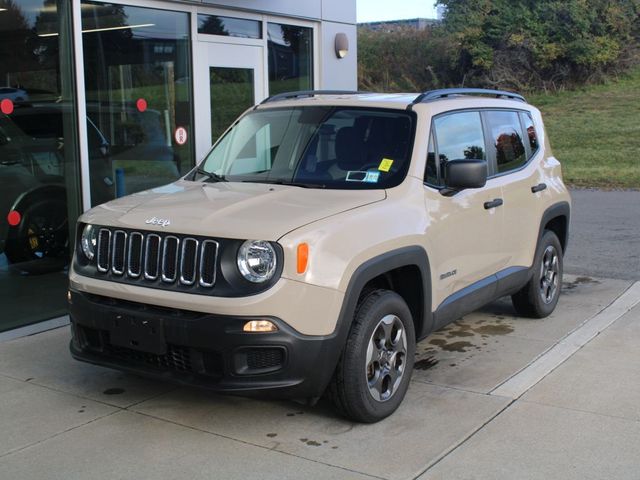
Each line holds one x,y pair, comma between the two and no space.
385,165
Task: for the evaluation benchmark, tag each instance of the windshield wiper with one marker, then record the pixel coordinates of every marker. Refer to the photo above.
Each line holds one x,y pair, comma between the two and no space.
287,182
211,175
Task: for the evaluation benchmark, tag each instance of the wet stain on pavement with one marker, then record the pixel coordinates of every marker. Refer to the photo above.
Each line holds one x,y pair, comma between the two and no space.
311,443
293,414
114,391
459,347
567,286
459,333
425,363
494,329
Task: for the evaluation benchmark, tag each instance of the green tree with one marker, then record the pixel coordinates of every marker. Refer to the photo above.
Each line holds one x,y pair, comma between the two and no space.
541,43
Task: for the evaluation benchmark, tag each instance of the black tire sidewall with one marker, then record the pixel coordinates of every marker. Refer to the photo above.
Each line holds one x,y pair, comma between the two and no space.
371,310
16,248
549,238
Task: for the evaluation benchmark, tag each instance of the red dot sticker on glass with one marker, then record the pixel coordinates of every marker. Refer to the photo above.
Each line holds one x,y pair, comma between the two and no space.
180,135
14,218
6,106
141,104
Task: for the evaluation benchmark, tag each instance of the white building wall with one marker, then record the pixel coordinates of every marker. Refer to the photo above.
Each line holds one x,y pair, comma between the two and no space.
338,73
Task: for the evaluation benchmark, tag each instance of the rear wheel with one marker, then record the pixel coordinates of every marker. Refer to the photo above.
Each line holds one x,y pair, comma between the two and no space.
539,297
373,374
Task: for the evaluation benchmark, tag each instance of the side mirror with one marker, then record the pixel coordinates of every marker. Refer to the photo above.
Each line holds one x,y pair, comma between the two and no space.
467,173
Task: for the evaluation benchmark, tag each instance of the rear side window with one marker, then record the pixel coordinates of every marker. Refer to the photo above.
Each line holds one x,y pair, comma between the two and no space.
530,131
455,136
506,136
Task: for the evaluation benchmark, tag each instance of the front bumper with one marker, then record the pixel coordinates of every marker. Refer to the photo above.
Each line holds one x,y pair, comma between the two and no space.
201,349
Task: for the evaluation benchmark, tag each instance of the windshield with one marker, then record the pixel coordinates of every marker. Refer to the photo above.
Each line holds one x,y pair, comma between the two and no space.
322,147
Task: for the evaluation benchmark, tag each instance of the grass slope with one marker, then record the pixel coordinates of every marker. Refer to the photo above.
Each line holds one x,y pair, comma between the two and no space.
595,132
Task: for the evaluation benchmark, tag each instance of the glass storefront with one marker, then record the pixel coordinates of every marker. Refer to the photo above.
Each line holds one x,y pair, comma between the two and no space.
39,181
138,97
139,103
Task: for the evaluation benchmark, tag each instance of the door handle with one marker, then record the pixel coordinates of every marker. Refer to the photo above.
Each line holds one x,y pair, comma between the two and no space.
538,188
493,203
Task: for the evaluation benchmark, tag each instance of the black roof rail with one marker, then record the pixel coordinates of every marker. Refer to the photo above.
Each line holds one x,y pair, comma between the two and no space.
307,93
446,92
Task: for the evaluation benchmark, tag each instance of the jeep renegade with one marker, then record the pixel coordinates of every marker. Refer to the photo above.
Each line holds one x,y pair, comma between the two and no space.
323,235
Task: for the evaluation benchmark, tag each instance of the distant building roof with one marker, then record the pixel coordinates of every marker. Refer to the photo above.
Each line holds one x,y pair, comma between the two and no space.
391,25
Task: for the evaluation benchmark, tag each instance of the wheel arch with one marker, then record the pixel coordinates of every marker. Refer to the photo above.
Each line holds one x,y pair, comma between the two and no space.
405,271
556,218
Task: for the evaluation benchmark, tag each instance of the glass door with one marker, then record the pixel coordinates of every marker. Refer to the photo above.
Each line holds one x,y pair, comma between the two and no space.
229,80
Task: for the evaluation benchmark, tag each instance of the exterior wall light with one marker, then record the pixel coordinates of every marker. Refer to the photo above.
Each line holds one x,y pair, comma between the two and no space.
342,45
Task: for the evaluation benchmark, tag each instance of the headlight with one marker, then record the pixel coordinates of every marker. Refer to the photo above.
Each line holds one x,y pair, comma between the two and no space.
88,241
257,261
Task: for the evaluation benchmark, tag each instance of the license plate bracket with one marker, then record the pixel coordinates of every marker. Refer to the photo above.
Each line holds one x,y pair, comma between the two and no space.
144,334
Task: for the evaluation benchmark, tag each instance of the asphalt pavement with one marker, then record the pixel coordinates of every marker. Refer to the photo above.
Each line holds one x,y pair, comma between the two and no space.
604,236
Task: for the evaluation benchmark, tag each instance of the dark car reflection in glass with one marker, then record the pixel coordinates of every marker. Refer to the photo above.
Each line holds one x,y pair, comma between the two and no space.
32,175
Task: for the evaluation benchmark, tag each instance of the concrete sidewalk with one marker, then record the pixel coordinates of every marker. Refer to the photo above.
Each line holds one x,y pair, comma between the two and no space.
493,396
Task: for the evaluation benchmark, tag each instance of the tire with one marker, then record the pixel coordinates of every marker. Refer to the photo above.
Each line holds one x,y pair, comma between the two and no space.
368,391
42,233
539,297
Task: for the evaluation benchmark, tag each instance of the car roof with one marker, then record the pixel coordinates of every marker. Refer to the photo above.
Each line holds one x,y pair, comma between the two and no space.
445,98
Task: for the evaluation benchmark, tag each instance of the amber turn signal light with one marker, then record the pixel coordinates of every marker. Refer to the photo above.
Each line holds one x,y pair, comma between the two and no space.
303,257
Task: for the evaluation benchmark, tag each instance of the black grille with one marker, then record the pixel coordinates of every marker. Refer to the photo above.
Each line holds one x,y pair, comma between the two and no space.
188,261
157,258
152,257
259,358
119,246
134,258
177,358
170,259
208,262
104,248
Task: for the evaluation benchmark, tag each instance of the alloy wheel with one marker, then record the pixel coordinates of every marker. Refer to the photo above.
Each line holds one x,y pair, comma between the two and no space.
549,274
386,358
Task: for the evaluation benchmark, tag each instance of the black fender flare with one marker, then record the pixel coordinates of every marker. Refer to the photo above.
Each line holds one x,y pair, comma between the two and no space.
372,268
376,266
560,209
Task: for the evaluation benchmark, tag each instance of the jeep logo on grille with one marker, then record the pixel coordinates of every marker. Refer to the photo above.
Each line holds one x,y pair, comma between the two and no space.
163,222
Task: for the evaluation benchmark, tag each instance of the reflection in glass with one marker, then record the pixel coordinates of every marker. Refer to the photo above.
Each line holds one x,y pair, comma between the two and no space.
232,92
431,175
229,26
506,134
37,182
459,137
138,91
531,131
290,58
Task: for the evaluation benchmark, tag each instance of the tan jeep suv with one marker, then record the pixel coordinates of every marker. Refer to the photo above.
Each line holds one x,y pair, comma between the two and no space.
321,237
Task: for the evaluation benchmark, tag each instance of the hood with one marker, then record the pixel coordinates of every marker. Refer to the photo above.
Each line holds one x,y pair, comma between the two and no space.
228,209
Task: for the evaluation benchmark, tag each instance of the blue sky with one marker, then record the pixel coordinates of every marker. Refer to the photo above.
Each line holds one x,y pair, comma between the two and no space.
374,10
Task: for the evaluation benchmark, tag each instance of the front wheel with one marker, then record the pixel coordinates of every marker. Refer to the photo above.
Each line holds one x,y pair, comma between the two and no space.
539,297
373,373
42,233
